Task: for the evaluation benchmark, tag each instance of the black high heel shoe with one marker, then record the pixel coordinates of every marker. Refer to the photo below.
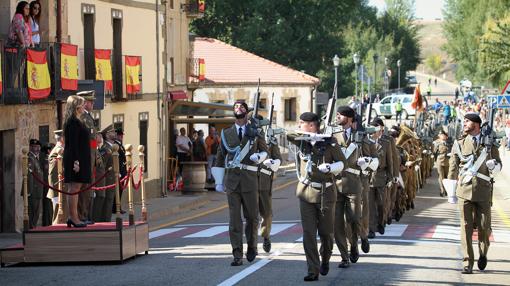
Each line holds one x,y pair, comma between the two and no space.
71,222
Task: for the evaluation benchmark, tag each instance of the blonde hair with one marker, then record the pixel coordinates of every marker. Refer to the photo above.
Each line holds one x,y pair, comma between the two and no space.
73,102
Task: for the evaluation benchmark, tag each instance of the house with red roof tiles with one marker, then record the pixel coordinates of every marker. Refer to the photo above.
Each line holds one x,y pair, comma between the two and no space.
232,74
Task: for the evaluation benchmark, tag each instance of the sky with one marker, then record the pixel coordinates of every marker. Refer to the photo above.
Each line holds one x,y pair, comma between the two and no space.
426,9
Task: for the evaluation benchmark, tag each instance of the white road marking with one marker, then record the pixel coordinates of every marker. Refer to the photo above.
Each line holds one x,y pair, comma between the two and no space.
394,230
212,231
276,228
501,235
164,231
447,232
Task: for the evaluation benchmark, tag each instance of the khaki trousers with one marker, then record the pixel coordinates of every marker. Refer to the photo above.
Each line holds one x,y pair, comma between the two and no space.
479,213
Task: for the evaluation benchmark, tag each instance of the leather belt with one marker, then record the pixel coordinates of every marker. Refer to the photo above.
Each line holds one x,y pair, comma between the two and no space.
315,185
248,167
353,171
266,172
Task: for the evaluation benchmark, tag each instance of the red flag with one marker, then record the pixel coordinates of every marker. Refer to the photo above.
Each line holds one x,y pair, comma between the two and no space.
69,66
417,103
104,68
38,75
132,73
201,69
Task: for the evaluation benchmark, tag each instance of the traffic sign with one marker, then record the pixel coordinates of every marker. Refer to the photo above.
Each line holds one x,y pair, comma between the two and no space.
504,101
506,90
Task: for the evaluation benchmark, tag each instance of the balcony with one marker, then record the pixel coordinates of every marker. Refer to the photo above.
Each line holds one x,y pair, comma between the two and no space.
194,8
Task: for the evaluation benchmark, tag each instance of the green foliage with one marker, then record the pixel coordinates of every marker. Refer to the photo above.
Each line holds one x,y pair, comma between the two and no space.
433,62
306,34
467,28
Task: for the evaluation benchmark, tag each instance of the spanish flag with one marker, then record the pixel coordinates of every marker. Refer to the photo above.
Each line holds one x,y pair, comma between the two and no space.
201,69
38,75
69,66
104,68
132,72
201,6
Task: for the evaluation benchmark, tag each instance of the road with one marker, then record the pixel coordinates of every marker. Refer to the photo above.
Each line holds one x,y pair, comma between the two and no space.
423,248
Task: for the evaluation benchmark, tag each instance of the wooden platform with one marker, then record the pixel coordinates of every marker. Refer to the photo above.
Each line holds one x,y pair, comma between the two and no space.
94,243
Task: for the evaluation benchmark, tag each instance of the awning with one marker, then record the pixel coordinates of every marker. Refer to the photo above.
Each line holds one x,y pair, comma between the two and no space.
177,95
201,112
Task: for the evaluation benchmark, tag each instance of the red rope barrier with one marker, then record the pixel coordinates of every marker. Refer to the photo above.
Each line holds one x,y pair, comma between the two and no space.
40,181
136,186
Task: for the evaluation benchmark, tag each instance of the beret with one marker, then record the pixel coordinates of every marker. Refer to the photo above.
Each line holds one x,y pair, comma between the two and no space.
242,102
377,122
309,116
474,117
346,111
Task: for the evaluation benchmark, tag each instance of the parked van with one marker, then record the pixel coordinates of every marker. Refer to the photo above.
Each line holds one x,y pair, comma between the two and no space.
386,107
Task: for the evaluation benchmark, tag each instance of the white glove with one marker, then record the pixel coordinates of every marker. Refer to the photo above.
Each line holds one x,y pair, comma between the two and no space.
258,157
324,168
220,188
362,162
272,164
491,164
409,164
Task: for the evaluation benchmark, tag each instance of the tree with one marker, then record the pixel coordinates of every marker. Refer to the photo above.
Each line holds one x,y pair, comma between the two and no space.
433,62
495,50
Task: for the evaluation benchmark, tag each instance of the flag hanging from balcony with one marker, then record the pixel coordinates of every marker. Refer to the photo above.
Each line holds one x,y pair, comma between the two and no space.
69,66
201,69
38,75
104,68
201,6
132,72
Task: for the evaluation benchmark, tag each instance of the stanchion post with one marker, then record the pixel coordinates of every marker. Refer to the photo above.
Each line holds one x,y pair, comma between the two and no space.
141,149
115,154
26,225
129,163
60,177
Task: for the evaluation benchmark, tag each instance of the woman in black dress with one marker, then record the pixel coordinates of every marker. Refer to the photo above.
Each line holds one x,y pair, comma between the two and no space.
77,169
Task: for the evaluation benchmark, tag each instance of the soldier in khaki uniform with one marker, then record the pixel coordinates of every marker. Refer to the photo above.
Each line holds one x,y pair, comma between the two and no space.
380,180
98,214
106,151
85,198
35,189
266,176
391,190
472,163
242,149
318,161
53,179
348,204
441,150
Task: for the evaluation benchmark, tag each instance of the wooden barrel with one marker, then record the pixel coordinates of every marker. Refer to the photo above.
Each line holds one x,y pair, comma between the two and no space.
194,176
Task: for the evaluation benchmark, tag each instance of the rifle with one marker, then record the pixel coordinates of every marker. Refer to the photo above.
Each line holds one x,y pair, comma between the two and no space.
252,128
270,131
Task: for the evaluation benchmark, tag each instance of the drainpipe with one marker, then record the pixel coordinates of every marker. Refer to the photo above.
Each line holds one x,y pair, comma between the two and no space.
160,122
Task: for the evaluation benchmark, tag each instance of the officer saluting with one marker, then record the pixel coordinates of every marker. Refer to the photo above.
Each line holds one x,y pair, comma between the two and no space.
318,160
473,162
241,150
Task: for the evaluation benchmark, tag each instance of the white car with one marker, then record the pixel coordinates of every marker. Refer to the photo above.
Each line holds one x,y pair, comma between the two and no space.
386,107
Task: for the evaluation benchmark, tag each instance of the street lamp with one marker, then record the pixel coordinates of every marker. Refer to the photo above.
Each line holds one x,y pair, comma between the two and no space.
376,57
398,68
386,85
336,63
355,58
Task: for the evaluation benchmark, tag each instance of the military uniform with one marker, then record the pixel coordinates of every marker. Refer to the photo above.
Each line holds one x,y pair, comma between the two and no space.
99,208
317,193
441,149
35,190
380,180
391,190
266,176
241,185
109,195
53,181
474,190
348,204
368,148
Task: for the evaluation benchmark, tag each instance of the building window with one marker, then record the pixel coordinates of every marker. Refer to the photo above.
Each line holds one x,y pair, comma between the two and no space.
44,134
143,120
96,115
117,53
88,12
290,109
118,121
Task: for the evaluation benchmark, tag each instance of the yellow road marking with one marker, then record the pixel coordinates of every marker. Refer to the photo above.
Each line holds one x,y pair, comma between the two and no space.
501,213
222,207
